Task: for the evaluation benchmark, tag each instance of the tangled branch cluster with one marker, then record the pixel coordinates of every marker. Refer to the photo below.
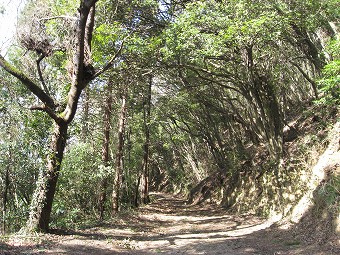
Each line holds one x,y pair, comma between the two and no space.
43,46
42,32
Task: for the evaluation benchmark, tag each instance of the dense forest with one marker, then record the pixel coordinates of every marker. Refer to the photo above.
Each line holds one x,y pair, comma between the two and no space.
225,102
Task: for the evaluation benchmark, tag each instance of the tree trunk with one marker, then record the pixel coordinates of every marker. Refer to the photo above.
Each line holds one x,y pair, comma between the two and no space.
5,191
308,47
105,147
144,181
41,205
85,120
117,183
269,113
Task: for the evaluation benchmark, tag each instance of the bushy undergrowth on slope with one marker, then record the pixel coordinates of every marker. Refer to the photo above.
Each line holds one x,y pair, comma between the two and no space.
265,187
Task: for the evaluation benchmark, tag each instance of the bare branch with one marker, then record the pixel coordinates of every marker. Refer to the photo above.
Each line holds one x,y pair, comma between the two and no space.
147,72
59,17
220,83
42,56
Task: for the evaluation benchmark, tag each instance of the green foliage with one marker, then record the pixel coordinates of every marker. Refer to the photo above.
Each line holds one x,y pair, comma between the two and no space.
77,194
330,83
62,7
23,144
219,68
107,39
328,194
211,28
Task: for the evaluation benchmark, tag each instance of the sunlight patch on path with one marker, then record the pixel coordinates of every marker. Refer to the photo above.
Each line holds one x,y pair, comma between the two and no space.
176,218
192,231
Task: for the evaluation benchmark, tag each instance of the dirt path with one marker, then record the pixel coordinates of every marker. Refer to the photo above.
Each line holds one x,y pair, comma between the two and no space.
169,226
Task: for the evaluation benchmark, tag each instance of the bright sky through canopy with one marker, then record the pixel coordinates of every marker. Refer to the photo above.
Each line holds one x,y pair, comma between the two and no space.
8,21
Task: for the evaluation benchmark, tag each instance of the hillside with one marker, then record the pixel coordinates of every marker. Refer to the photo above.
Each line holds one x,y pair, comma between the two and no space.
303,188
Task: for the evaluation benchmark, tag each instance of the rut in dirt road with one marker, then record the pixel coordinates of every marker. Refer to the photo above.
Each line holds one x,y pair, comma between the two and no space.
170,226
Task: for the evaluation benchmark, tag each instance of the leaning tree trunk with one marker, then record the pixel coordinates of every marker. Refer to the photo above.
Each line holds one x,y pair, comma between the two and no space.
41,205
82,72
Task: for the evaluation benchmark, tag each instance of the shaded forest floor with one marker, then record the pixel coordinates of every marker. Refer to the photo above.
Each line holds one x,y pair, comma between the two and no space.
169,226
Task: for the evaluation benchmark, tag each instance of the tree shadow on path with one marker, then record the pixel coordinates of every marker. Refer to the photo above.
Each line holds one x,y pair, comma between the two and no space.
170,226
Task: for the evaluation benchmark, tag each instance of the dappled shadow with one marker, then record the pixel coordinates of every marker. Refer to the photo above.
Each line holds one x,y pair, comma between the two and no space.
5,248
271,241
170,226
77,249
166,204
210,230
8,249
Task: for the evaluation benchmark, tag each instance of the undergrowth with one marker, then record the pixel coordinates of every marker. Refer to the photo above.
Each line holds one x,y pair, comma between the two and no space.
328,195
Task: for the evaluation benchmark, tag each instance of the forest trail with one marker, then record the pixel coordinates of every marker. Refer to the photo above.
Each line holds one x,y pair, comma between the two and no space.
169,226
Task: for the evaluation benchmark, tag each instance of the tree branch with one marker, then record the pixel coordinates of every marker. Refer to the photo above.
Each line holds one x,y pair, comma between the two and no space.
89,28
220,83
305,75
42,56
79,79
58,17
110,63
28,83
49,111
197,71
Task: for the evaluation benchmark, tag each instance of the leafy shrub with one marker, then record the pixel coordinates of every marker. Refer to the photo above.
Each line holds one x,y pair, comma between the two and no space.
330,83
